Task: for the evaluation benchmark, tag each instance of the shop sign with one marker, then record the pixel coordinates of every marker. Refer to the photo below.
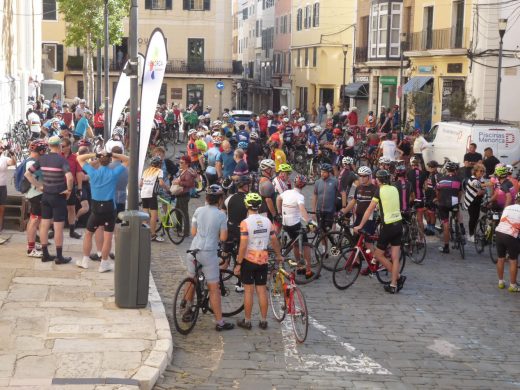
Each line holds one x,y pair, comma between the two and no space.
362,79
455,68
388,80
425,69
176,93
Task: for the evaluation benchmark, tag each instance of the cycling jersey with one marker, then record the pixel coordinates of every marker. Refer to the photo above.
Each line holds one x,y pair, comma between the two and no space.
243,136
258,230
345,180
313,145
339,146
449,188
404,188
430,186
193,151
363,197
387,198
288,134
236,212
212,157
501,189
325,192
291,201
281,186
417,178
279,158
266,191
510,221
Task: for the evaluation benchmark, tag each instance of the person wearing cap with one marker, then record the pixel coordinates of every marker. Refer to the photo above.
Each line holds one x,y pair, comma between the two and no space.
57,187
83,129
5,162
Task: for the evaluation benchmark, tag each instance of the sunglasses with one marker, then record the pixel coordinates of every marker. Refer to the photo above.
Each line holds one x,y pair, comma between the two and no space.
362,176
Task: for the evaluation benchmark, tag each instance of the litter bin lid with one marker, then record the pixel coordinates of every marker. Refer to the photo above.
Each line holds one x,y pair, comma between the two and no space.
128,215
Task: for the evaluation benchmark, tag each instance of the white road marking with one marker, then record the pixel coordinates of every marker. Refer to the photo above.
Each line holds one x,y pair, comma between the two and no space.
358,362
443,348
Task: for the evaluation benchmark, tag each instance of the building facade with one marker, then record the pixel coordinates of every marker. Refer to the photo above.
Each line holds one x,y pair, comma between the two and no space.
322,47
282,87
199,41
20,58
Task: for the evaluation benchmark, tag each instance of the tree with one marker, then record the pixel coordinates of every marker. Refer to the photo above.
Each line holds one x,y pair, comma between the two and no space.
462,106
85,29
420,106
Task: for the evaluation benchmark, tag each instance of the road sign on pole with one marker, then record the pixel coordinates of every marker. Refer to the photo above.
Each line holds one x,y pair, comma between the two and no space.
220,85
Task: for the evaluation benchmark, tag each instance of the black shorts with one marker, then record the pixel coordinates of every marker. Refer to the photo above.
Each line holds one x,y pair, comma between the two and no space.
36,206
294,230
419,204
325,220
444,212
85,192
370,227
390,234
54,206
252,273
3,195
106,220
72,198
150,203
507,244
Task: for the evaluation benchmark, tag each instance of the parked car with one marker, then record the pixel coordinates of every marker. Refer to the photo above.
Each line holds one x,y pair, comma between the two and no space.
451,140
241,117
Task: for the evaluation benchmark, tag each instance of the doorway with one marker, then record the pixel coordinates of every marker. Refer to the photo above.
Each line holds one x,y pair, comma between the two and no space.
327,96
121,54
195,55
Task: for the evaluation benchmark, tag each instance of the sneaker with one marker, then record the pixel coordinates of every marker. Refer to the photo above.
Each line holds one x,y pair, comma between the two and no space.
513,288
244,324
62,260
365,271
106,265
157,239
400,282
263,325
82,263
95,257
444,249
471,239
35,253
45,259
75,235
38,246
224,326
390,289
501,285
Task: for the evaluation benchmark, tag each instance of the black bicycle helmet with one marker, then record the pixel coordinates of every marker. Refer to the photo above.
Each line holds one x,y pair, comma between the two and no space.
326,167
243,180
214,189
452,166
383,175
155,161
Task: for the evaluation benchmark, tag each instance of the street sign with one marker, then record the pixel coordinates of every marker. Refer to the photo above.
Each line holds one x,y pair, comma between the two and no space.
220,85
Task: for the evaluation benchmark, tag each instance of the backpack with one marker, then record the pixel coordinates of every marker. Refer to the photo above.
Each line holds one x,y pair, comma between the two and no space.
20,181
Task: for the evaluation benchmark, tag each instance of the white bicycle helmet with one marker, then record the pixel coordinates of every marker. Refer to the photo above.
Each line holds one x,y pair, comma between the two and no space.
269,112
118,131
191,131
510,168
253,135
286,120
225,115
293,111
301,119
347,160
384,160
207,116
364,171
217,123
284,108
267,164
317,129
200,134
201,117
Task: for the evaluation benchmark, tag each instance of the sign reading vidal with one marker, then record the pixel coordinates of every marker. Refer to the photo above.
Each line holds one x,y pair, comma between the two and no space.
153,75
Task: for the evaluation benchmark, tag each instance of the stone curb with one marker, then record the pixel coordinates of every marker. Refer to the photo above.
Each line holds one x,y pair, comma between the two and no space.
161,353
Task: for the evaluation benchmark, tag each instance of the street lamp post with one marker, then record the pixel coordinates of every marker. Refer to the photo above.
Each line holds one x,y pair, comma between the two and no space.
502,25
343,98
403,41
107,75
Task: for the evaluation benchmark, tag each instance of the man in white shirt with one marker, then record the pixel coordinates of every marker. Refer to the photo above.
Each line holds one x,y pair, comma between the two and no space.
389,148
419,144
34,122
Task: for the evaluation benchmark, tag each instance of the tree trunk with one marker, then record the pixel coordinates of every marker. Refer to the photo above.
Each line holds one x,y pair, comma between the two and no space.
88,73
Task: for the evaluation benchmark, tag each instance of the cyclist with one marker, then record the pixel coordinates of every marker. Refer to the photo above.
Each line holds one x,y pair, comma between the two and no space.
503,189
242,134
288,134
324,199
212,156
192,151
256,232
338,148
473,195
404,188
417,177
282,182
449,195
75,169
208,227
266,189
254,151
291,205
346,180
225,161
387,199
508,244
313,145
279,155
430,196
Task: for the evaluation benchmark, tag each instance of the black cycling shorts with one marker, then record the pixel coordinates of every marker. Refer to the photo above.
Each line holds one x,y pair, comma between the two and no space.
72,198
294,230
36,206
105,220
54,206
252,273
390,234
85,192
325,220
444,212
507,245
370,227
150,203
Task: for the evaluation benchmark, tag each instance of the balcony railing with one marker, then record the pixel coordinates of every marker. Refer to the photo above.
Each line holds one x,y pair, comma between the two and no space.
361,54
208,66
442,39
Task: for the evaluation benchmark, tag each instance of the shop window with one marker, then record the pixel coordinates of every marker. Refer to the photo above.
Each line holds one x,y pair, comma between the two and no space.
195,95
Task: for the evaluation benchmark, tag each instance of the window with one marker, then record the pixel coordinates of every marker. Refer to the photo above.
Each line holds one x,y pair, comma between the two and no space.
385,27
458,24
289,62
316,15
306,62
314,56
163,95
54,56
427,28
276,25
195,95
303,99
199,5
298,58
299,14
81,89
244,14
49,10
307,20
158,4
284,25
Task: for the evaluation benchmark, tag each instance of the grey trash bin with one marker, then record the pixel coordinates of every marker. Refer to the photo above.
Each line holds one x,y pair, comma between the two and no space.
132,266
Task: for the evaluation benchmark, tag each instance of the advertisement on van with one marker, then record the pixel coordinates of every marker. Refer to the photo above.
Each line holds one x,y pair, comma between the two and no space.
498,138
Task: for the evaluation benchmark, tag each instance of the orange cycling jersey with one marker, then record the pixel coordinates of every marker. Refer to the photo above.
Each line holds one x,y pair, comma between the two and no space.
258,231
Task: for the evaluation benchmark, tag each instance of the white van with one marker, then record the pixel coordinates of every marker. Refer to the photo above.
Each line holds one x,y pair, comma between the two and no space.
452,139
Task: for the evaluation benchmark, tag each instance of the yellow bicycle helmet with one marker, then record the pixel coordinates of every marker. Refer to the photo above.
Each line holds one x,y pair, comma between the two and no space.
253,200
285,168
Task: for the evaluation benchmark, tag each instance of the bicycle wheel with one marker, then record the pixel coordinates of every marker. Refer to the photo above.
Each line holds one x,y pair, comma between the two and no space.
384,276
330,246
299,315
346,269
231,294
417,245
174,226
462,244
493,248
301,277
277,297
181,306
480,236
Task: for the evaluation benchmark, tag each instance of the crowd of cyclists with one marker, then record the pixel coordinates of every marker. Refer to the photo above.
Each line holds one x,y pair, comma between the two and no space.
370,176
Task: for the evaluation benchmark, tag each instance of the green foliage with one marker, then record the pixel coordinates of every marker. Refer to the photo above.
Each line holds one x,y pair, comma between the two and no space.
420,105
462,106
84,19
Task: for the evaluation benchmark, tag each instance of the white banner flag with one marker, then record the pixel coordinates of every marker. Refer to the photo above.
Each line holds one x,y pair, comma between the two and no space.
153,75
122,94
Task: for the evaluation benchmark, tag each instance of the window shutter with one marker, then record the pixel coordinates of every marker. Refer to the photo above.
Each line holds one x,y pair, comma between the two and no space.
147,4
59,58
186,4
169,4
207,5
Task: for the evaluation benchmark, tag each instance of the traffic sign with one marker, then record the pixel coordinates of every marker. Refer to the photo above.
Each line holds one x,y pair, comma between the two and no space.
220,85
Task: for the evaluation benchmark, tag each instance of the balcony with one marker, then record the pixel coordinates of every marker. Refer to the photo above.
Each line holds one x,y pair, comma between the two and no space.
207,66
361,54
442,39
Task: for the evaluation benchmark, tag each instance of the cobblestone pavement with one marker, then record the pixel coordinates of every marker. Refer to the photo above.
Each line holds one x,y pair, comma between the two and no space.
450,327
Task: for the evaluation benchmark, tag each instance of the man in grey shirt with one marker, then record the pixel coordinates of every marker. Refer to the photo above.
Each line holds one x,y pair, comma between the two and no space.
325,196
208,227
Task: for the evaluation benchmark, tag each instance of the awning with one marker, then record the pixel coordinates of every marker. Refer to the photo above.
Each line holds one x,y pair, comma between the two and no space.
416,84
357,90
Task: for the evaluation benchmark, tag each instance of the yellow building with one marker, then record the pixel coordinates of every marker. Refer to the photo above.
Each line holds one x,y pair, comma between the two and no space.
437,48
199,41
322,38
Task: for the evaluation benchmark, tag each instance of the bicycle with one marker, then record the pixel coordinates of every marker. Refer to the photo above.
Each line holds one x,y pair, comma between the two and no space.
286,298
332,243
414,241
171,221
192,296
348,266
456,236
485,232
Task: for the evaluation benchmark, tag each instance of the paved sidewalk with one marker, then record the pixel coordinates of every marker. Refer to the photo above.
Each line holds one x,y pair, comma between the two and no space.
60,327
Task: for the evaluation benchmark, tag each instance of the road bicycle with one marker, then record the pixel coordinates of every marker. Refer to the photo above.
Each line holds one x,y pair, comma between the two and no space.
332,243
171,220
414,241
286,298
348,266
485,232
192,296
456,237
